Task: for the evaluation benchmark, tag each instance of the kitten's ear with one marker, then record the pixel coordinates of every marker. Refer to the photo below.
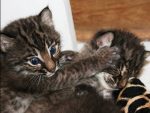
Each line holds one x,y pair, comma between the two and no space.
46,16
104,40
6,42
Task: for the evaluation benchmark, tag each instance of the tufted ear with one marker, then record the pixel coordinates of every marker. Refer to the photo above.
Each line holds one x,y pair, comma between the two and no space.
46,16
6,42
103,40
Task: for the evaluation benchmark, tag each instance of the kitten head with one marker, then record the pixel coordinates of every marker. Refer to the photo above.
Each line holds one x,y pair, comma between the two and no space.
131,51
30,48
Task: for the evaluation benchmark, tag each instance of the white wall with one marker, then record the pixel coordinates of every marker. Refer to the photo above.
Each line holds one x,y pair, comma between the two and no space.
15,9
145,78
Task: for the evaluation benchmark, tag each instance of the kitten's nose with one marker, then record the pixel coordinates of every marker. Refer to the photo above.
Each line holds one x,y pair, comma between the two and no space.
51,66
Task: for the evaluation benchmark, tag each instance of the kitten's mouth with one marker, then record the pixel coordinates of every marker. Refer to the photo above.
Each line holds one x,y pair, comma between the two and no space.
50,74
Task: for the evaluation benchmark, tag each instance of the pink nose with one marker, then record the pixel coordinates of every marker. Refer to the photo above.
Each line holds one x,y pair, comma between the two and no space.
50,65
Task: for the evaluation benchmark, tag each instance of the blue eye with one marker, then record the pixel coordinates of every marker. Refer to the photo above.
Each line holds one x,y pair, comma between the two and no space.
35,61
52,50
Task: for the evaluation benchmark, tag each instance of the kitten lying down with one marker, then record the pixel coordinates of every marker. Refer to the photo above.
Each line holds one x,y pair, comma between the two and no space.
30,53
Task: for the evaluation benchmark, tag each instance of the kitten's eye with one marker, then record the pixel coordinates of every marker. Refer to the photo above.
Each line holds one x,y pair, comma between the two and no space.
52,50
34,61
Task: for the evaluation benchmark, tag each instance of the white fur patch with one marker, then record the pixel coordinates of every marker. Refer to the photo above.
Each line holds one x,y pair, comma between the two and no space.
106,89
101,77
146,44
123,70
39,55
49,74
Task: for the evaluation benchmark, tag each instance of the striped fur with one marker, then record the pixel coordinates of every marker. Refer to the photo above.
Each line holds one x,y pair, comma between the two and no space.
30,52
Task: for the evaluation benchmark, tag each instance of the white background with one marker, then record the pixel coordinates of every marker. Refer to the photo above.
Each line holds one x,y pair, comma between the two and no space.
62,17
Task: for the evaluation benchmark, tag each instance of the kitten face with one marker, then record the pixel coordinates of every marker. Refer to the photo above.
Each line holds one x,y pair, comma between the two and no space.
131,51
31,47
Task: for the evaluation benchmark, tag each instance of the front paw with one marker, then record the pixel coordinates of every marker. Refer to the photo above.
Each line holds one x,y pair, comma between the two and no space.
109,55
83,90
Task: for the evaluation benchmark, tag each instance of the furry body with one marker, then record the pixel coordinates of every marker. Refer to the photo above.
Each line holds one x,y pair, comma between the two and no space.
30,52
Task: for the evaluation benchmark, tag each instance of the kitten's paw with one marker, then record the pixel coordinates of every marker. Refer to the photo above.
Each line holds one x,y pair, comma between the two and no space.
81,93
83,90
109,56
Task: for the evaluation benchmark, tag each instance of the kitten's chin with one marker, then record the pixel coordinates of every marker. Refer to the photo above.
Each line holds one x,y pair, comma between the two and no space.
49,74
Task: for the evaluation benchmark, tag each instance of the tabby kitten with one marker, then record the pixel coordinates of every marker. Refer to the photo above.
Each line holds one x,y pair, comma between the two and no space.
129,65
132,53
30,52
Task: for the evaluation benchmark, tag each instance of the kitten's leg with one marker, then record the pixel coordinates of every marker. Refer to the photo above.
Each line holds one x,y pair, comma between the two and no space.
70,75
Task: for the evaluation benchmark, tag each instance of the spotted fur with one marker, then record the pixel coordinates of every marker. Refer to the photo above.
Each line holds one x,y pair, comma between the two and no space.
134,97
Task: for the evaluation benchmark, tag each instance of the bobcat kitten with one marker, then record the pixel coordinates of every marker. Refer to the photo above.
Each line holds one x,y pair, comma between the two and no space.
30,52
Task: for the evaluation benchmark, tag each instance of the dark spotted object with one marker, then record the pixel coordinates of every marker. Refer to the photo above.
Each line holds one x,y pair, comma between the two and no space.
133,98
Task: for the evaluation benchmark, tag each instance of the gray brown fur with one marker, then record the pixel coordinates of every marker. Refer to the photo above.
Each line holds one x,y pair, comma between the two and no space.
133,56
24,86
